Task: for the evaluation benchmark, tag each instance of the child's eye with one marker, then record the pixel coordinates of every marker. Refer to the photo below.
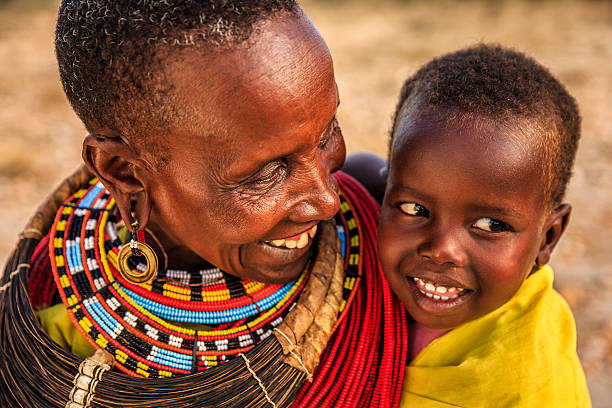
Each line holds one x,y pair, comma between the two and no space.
491,225
414,209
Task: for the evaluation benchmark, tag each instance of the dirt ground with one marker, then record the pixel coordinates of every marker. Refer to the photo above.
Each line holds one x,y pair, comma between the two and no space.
375,46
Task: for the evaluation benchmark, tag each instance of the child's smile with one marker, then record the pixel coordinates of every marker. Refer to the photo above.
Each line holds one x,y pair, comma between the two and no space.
462,220
436,298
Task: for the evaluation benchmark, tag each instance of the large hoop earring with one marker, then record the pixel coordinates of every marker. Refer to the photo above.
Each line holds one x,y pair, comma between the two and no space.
137,247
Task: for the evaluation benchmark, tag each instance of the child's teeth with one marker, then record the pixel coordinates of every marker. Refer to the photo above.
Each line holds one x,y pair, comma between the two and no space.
291,244
437,292
278,242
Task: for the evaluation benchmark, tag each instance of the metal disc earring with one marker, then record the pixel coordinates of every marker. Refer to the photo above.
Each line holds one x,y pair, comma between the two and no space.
137,247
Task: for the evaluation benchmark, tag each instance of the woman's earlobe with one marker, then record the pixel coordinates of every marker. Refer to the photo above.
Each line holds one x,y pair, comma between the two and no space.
555,226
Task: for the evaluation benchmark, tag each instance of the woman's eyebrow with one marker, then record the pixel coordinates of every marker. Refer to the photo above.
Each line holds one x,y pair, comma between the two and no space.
327,127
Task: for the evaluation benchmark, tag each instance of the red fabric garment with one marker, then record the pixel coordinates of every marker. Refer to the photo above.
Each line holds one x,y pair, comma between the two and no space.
363,364
41,286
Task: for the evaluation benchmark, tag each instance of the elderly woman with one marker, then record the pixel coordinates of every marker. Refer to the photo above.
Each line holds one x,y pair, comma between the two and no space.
206,257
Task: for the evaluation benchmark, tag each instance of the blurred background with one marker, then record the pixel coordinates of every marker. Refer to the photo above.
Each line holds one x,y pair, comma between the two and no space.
376,45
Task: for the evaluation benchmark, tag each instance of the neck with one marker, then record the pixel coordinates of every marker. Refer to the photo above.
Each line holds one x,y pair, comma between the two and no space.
420,336
174,256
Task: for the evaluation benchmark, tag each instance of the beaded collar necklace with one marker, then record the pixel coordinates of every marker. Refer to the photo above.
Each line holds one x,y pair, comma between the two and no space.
135,322
370,333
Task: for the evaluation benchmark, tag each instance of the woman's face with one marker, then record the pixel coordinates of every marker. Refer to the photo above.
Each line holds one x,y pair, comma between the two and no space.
252,164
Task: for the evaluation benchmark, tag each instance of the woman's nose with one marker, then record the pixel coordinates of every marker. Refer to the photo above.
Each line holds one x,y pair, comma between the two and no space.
318,195
443,246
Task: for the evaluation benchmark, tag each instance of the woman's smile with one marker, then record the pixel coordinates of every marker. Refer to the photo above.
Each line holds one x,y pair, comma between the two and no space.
298,241
286,251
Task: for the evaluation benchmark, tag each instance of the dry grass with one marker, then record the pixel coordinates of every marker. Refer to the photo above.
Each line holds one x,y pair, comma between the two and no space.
375,46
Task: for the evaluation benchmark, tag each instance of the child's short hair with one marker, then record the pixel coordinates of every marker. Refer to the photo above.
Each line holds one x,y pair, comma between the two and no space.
108,51
503,85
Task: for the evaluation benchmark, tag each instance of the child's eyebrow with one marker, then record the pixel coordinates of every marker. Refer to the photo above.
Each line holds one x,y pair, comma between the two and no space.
490,209
403,188
495,209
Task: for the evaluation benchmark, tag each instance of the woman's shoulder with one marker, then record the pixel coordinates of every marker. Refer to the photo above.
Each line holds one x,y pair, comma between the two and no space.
57,324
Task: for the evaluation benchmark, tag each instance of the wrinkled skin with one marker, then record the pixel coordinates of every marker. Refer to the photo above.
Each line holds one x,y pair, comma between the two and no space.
252,163
464,208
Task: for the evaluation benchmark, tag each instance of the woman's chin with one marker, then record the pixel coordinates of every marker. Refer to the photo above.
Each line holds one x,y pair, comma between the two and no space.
273,265
283,273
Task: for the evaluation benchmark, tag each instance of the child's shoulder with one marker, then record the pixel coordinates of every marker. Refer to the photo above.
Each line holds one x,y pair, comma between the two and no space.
522,354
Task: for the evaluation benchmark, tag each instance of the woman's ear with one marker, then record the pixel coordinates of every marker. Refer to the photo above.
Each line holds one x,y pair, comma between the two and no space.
114,163
553,230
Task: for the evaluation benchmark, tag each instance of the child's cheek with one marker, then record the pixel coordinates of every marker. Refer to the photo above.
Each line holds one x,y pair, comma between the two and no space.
391,247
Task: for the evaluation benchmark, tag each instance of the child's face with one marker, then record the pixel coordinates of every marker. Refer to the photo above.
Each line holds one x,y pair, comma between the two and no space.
462,220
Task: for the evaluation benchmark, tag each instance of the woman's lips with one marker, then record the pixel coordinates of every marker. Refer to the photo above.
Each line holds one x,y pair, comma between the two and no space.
298,241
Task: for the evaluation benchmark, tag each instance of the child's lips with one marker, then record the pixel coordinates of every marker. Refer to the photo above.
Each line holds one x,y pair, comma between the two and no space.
434,297
437,291
444,280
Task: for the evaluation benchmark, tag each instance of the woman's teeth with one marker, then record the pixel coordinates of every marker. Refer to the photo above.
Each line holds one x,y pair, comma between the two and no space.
298,241
437,292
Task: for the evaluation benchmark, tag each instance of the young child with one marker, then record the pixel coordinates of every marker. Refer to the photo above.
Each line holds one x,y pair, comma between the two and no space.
481,151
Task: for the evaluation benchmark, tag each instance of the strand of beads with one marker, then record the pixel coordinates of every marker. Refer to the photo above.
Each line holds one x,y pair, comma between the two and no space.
135,322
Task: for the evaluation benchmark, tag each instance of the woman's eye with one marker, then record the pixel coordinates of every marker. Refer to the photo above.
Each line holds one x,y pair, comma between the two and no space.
491,225
269,176
324,141
334,128
414,209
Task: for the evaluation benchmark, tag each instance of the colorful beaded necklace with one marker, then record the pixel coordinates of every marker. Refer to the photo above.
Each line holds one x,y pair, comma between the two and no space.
135,322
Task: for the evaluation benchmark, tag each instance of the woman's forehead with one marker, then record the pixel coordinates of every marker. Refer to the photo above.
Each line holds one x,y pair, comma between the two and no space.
283,68
266,98
285,53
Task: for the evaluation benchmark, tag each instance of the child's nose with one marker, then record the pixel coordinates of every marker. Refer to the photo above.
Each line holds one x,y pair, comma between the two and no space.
443,246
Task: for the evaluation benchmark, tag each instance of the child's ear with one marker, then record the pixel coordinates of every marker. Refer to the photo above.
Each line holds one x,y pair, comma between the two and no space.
553,229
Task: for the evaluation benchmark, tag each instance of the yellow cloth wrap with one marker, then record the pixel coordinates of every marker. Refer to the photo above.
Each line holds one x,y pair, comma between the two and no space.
57,324
522,354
